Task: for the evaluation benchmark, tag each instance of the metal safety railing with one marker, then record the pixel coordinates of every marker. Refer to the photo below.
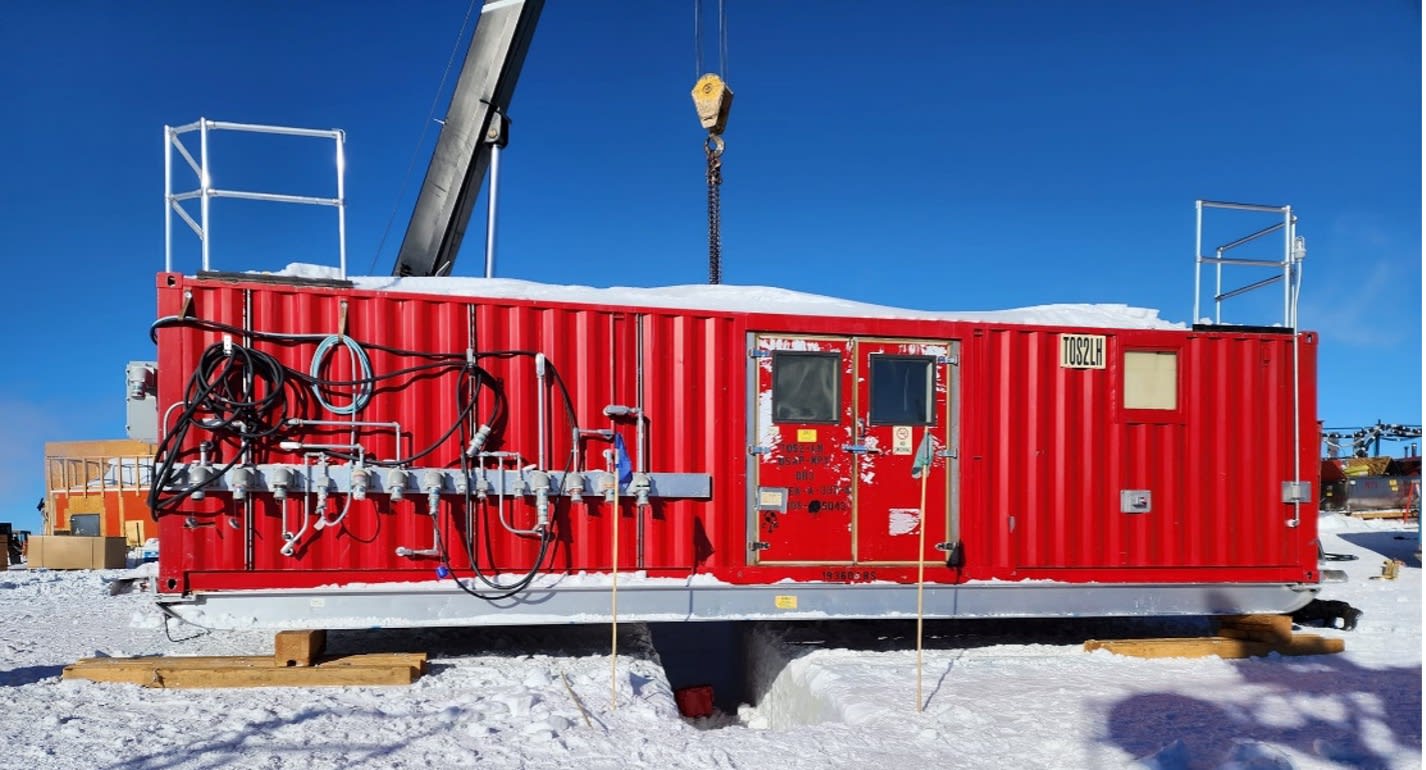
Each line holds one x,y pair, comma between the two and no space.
1288,269
206,192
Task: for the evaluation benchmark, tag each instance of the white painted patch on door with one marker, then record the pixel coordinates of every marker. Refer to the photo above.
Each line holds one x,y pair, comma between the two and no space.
903,521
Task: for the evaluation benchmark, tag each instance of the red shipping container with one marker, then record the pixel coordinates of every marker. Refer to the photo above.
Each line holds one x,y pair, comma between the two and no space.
1068,470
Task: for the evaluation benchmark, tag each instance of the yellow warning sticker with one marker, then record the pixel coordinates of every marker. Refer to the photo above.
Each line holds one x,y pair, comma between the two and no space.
806,435
785,602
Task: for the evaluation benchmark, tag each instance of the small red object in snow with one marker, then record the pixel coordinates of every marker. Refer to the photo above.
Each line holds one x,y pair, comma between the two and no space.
695,701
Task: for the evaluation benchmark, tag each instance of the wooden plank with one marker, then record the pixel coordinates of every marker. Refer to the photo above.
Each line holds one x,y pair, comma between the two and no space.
1266,628
1193,647
1252,635
1311,644
237,676
1382,514
415,660
1223,647
299,648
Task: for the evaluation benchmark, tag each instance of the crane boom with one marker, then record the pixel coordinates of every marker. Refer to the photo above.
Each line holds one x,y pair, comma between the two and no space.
475,124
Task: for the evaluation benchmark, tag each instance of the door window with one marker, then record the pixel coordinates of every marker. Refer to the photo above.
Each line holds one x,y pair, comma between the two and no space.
805,387
901,390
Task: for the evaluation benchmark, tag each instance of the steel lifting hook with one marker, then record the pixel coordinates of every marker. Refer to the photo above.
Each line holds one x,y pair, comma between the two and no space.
713,99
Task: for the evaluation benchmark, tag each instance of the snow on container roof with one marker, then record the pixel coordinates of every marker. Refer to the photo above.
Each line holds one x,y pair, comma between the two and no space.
747,299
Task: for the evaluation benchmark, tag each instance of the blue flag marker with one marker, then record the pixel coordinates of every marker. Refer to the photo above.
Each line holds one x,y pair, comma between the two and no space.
621,461
922,463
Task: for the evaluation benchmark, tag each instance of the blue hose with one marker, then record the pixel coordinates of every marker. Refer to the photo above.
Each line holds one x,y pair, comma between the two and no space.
363,392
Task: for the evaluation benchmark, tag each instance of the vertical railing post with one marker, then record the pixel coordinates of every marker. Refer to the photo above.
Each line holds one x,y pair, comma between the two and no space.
1287,269
342,202
1197,259
203,186
167,199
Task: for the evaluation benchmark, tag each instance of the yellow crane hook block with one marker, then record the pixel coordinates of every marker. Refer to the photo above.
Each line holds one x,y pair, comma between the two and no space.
712,98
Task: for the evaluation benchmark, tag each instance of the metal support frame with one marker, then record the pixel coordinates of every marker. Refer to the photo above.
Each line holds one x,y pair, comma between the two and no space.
1289,267
205,192
548,602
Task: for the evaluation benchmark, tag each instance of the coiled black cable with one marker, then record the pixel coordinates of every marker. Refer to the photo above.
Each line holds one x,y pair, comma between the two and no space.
242,393
235,392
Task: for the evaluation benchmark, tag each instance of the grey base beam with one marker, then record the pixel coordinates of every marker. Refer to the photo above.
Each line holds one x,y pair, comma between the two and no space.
420,605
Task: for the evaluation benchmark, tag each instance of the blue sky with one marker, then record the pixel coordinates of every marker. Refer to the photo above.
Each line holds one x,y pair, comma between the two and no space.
925,154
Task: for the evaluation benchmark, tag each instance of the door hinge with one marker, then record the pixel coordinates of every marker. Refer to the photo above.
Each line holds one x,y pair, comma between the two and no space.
759,354
759,450
758,545
951,360
950,453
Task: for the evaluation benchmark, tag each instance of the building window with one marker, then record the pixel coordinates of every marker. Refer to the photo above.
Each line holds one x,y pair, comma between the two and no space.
806,387
1150,379
901,390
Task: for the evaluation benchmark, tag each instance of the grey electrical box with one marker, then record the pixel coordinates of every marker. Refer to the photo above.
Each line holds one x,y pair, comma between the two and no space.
1297,491
141,401
1135,501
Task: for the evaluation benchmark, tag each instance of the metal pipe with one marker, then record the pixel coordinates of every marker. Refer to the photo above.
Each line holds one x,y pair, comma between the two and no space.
203,185
1286,268
1296,391
167,199
321,133
494,196
1248,288
395,426
1218,288
193,164
342,201
1243,261
540,406
274,197
640,437
574,457
1250,238
1243,206
639,415
198,231
249,528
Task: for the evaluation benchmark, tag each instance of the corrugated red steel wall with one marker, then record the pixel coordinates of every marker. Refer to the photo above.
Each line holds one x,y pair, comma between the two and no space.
1044,450
1049,449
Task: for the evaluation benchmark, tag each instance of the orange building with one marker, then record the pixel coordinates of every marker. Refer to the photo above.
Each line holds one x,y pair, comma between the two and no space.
99,488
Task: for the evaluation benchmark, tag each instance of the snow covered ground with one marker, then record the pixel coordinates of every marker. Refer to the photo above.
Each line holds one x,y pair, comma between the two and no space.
829,695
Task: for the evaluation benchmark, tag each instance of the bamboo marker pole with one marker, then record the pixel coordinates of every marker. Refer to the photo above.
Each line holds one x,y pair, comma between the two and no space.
921,563
614,599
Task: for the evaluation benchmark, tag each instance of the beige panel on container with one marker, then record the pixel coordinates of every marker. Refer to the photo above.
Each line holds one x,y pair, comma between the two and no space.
1150,380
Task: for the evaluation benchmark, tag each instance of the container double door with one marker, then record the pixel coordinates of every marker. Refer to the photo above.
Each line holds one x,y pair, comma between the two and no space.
845,430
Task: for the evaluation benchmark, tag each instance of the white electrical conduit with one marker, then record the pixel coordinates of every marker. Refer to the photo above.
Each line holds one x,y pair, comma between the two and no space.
1296,390
542,388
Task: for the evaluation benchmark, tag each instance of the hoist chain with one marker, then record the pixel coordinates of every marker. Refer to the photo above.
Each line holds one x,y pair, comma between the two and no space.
714,148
